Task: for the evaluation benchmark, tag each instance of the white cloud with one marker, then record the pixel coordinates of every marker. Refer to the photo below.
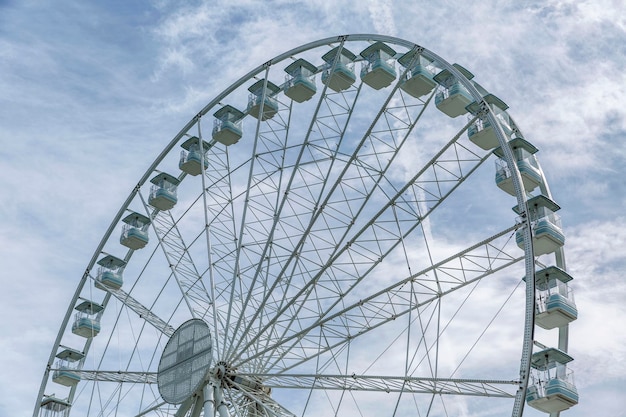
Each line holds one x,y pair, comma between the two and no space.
381,14
92,94
597,261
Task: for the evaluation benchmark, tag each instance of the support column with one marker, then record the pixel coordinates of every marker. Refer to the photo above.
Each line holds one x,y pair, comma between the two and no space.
222,409
209,400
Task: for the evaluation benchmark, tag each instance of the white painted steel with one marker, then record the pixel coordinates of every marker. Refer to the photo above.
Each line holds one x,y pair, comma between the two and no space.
335,240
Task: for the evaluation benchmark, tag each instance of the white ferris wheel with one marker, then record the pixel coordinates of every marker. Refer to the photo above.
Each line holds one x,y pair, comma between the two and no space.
326,238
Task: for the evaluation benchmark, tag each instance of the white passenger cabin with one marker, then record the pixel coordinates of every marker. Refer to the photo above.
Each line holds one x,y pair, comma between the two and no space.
163,192
192,157
110,274
523,153
481,132
378,70
135,231
338,72
555,299
227,128
87,320
452,98
551,388
66,367
52,406
547,232
261,102
300,80
418,80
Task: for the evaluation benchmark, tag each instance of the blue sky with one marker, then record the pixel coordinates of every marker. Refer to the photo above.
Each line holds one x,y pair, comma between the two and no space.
90,92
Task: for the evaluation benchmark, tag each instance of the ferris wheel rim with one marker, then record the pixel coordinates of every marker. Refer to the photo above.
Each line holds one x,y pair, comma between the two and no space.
279,58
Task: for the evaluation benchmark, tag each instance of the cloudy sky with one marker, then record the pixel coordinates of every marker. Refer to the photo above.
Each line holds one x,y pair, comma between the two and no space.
90,92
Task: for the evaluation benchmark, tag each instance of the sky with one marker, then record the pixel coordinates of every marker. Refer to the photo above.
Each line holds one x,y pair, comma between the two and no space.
90,92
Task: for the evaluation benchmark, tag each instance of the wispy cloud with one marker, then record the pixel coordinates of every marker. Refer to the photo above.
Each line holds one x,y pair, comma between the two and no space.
381,15
92,92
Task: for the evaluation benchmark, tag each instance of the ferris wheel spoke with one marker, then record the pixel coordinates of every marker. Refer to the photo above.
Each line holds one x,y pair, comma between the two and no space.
302,191
392,302
142,311
387,384
183,268
353,188
264,185
151,409
222,232
385,230
115,376
254,402
207,233
375,240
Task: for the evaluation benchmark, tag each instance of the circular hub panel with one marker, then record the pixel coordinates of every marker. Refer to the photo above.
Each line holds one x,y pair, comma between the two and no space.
185,361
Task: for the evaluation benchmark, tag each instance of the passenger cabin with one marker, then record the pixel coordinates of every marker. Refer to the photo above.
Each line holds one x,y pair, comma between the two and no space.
552,388
87,320
338,72
163,192
192,157
481,133
547,232
418,80
52,406
227,126
524,155
135,231
378,70
261,102
452,97
555,299
66,367
300,81
110,273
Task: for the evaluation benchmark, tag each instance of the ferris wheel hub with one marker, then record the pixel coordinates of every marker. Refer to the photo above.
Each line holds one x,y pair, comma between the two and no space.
227,375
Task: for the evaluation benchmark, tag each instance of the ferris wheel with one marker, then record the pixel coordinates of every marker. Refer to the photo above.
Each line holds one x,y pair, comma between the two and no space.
355,227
